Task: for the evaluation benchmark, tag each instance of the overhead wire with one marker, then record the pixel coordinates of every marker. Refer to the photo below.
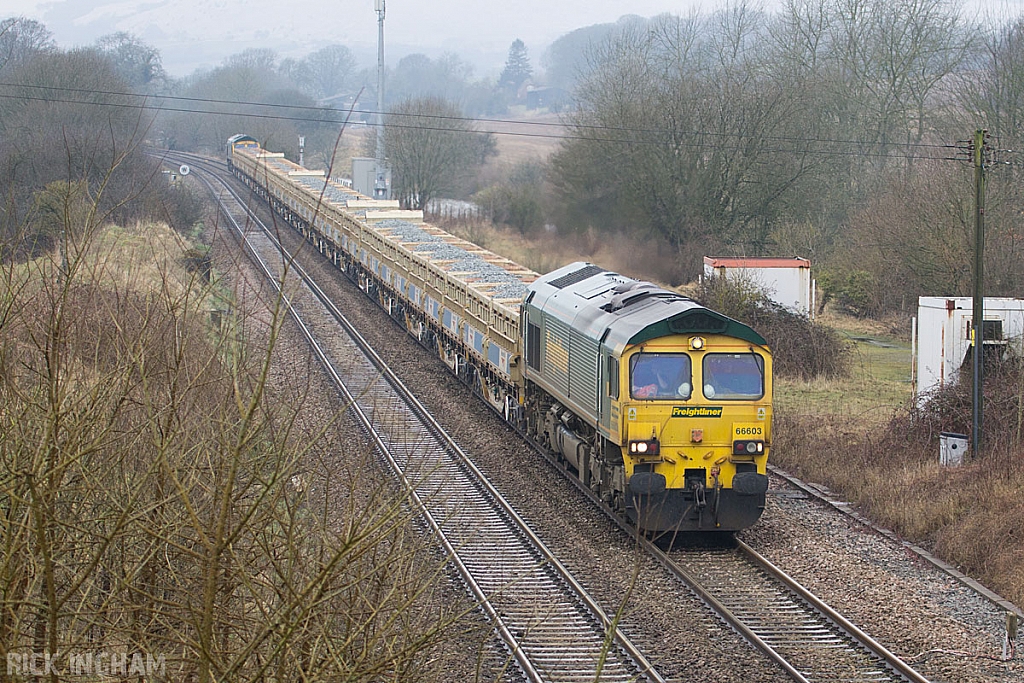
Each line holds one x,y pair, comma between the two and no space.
791,144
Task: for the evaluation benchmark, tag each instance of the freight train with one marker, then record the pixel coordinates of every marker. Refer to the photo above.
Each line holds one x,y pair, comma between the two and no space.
660,406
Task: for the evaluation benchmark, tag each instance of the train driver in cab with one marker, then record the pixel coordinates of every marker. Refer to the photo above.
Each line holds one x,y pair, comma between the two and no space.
661,376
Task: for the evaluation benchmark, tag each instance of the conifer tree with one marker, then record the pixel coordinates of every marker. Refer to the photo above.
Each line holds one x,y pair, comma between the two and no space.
517,67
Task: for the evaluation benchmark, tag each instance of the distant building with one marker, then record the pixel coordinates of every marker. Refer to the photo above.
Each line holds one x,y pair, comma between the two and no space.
546,98
364,176
787,281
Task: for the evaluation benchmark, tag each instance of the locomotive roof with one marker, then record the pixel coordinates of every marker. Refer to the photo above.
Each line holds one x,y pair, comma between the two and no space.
622,311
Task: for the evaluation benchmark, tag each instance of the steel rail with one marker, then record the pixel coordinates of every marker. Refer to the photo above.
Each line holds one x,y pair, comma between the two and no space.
890,659
643,665
750,633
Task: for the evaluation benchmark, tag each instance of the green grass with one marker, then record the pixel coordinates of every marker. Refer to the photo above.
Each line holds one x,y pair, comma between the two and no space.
878,384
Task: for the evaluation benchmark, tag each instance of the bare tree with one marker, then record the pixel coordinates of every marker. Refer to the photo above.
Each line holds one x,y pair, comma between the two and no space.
674,136
432,149
993,93
327,72
417,76
164,499
63,117
880,63
136,62
245,82
21,39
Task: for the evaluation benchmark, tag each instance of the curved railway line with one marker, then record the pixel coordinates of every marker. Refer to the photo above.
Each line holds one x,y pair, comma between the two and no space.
548,622
800,633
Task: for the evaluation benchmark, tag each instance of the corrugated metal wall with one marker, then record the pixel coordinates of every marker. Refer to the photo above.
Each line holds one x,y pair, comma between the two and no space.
556,354
571,363
583,371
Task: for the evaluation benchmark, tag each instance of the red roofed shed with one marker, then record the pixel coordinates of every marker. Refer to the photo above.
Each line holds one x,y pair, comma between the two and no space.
786,280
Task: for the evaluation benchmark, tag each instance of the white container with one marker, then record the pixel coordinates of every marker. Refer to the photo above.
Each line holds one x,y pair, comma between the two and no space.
952,449
787,281
944,336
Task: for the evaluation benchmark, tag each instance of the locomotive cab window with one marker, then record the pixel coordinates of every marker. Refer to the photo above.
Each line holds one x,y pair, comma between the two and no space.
665,376
733,376
613,376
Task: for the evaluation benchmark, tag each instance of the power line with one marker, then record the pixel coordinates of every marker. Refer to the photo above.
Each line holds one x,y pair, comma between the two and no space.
373,112
334,118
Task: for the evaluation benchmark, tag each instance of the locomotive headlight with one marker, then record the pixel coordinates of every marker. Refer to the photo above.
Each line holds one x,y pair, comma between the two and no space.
748,447
644,447
696,343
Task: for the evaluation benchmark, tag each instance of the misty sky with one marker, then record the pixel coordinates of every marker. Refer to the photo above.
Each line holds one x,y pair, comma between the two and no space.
195,33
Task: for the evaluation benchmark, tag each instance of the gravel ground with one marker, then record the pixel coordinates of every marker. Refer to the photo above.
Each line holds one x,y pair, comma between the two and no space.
942,628
469,650
676,631
935,623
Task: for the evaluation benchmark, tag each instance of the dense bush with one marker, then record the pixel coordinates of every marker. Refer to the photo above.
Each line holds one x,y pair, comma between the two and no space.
851,291
950,409
68,164
516,202
800,347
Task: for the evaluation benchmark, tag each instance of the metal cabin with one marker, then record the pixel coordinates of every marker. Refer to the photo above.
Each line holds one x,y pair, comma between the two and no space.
944,344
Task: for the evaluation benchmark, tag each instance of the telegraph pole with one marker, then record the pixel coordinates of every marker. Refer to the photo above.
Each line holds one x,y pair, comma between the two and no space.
380,186
978,322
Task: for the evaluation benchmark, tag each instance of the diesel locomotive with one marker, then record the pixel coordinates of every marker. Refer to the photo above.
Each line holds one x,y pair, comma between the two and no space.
660,406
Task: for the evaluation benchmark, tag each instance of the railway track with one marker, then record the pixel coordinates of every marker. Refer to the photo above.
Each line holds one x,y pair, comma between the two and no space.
823,496
806,638
809,639
551,627
803,635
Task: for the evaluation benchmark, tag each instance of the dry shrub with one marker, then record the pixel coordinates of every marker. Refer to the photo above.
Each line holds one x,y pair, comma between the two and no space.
970,515
159,498
800,347
950,409
987,540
